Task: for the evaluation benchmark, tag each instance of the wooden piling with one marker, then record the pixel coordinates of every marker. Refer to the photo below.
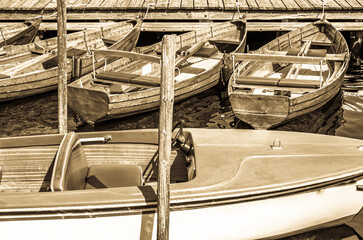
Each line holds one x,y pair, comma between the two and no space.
62,65
165,134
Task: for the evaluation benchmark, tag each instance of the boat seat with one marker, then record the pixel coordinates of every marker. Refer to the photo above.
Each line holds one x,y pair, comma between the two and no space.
311,52
205,52
128,78
257,80
190,69
296,83
299,83
71,171
114,175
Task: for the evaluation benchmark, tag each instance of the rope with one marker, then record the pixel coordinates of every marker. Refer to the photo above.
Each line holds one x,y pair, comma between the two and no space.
85,41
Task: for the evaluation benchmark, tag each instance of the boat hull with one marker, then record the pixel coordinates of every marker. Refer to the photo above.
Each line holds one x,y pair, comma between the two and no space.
265,111
264,219
95,102
40,81
242,187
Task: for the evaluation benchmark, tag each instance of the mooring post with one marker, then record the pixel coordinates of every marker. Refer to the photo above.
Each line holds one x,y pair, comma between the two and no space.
165,134
62,65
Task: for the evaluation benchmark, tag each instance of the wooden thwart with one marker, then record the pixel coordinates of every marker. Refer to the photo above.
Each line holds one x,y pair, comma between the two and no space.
287,58
262,81
127,78
133,55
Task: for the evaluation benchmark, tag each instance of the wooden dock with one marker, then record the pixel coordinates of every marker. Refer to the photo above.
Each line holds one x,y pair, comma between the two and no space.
264,15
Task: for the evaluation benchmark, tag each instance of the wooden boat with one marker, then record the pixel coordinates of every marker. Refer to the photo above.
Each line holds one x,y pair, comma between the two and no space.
33,68
292,75
126,88
225,184
20,33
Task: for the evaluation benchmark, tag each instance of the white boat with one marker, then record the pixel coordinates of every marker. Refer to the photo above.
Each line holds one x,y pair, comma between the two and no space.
225,184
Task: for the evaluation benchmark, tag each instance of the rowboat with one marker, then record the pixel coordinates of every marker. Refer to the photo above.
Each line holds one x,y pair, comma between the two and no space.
225,184
19,33
33,68
292,75
127,87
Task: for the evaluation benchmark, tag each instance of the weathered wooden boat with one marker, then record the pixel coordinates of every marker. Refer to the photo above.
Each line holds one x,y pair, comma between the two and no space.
20,33
225,184
292,75
33,68
125,88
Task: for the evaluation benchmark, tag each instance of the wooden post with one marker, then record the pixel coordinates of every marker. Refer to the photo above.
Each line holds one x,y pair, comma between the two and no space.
62,65
165,131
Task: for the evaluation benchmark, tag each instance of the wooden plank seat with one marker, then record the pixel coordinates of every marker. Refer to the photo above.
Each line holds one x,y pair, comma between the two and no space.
53,62
127,78
319,43
311,52
190,69
205,52
71,171
262,81
270,57
224,41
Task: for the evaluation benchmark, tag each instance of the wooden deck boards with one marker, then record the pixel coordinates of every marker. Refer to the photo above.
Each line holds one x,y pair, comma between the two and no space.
230,5
183,9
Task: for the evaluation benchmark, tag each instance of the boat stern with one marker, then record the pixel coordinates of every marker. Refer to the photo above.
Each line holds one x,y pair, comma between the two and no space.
260,111
90,105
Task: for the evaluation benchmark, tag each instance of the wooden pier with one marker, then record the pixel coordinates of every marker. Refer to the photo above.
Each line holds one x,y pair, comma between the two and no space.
263,15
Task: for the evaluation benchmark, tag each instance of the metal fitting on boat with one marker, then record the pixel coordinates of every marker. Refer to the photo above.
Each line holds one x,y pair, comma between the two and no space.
276,144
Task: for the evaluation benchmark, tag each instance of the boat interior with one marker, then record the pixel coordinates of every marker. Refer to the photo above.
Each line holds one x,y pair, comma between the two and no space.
41,55
102,160
294,68
194,56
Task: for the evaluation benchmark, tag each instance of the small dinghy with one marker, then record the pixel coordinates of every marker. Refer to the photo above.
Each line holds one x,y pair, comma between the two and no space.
19,33
32,69
290,76
225,184
127,87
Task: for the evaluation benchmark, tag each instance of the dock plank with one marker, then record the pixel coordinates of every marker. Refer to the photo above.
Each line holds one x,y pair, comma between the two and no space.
344,4
252,5
360,2
200,4
3,4
95,4
52,5
215,4
317,4
265,5
291,5
356,4
187,4
121,4
305,5
41,4
278,4
109,4
23,5
175,4
13,5
333,5
80,5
